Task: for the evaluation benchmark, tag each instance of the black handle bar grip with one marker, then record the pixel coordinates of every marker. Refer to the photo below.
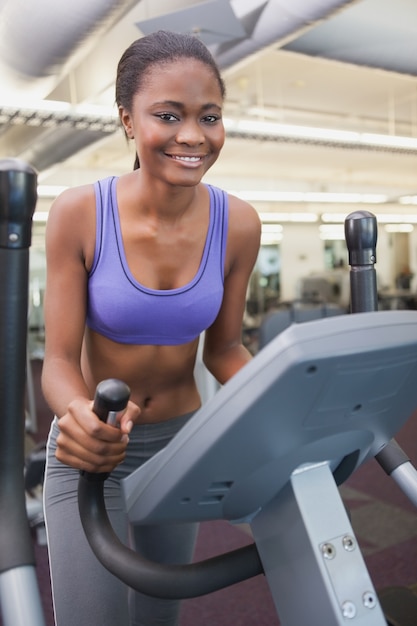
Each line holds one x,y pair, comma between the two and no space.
361,233
111,397
155,579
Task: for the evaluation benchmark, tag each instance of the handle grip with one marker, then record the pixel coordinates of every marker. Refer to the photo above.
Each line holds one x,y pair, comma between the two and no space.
361,232
111,397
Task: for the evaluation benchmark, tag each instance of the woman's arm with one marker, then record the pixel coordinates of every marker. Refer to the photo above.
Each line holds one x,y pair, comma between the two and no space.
224,354
69,224
84,442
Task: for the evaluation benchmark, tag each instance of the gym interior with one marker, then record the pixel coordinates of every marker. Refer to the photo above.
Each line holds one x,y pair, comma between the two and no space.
321,124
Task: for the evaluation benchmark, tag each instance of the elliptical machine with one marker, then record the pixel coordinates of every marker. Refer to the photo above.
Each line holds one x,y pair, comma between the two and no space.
270,449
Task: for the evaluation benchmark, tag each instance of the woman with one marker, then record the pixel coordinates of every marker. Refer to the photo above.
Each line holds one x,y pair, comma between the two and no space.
138,267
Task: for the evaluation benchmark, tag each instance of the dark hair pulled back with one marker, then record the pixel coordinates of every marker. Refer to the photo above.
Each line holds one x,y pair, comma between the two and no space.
160,47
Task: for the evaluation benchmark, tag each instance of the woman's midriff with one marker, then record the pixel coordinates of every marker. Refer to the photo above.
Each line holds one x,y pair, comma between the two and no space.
161,378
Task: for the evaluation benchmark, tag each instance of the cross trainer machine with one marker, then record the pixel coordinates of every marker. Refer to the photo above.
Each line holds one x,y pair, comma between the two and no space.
270,449
19,593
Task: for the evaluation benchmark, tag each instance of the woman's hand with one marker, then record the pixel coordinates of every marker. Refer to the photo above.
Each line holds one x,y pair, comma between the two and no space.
86,443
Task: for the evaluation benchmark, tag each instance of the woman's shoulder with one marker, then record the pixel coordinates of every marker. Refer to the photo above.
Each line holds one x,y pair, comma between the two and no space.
243,216
244,232
238,209
71,221
72,201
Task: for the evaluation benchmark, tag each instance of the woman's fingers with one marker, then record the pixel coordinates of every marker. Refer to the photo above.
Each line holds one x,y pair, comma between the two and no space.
84,442
129,418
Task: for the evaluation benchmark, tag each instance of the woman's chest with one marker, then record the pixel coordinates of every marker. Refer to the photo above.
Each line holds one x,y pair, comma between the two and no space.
162,258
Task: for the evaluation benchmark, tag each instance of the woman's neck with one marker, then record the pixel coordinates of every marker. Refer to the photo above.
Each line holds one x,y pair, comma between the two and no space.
167,203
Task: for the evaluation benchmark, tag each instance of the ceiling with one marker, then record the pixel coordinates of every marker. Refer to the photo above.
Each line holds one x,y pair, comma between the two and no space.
322,64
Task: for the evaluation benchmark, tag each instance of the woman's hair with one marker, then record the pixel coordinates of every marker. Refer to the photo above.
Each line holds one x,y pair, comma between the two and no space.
160,47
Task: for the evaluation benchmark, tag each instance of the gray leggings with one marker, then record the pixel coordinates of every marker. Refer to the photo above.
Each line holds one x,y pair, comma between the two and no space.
84,592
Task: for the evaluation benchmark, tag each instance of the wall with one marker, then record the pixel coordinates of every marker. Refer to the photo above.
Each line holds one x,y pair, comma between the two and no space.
302,252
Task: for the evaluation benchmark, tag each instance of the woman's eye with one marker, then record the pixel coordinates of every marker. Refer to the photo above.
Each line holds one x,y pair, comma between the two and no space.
211,119
168,117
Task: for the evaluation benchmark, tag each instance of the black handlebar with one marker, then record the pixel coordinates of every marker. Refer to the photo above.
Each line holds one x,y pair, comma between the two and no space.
153,579
361,233
111,396
18,196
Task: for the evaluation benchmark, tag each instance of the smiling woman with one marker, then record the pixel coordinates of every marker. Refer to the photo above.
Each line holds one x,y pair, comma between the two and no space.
139,266
177,116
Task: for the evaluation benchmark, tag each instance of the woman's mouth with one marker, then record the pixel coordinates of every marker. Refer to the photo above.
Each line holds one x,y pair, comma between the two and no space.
193,160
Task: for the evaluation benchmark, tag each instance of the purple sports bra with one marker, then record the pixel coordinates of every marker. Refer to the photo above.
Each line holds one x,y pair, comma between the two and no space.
125,311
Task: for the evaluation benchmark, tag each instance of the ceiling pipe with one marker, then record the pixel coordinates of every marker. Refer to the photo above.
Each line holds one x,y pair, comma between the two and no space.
37,45
274,23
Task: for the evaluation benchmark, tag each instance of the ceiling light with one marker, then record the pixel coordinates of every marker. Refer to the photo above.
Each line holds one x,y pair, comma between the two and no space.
346,198
274,130
271,234
260,127
390,141
333,217
395,218
399,228
272,228
255,195
287,217
382,218
328,228
269,239
408,200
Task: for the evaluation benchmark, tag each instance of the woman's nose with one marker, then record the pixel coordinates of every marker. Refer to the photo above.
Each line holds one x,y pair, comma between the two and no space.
190,133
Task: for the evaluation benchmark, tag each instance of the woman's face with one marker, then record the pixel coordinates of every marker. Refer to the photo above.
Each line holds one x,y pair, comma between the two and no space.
176,121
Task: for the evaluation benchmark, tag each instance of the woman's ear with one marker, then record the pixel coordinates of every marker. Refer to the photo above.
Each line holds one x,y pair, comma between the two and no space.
126,121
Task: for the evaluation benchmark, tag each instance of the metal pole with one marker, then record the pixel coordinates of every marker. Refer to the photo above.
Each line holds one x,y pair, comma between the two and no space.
361,234
19,593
